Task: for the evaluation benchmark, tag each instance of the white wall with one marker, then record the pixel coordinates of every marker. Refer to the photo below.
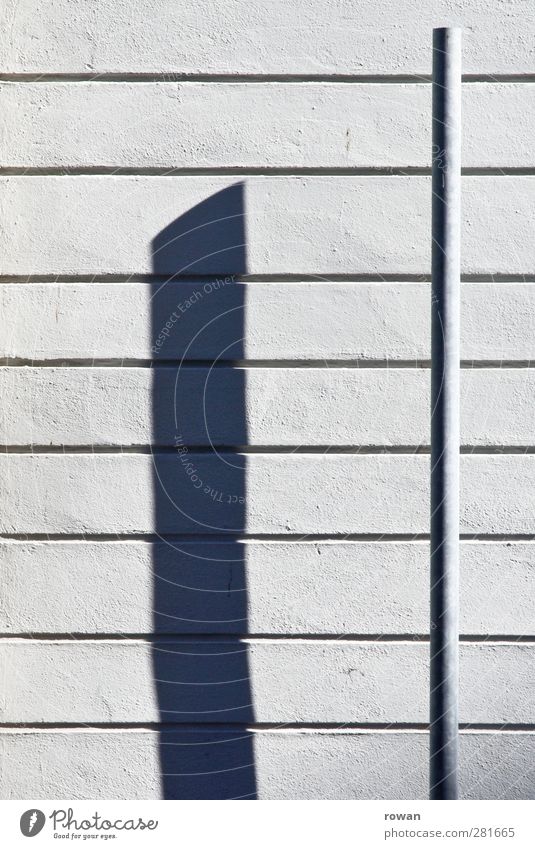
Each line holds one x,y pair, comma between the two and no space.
283,634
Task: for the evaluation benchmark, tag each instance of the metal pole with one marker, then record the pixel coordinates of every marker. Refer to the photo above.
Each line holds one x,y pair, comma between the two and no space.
445,364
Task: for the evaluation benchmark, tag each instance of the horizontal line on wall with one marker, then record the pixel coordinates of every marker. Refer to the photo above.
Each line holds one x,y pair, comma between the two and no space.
199,280
178,364
234,538
491,449
255,171
191,640
177,77
148,540
210,363
496,364
276,277
212,538
215,450
333,78
231,727
188,638
259,727
215,171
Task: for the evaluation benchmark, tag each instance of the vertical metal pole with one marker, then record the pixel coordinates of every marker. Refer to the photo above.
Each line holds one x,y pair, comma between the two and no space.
445,364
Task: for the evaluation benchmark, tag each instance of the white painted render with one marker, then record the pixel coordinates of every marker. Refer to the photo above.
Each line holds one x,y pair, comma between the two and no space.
214,495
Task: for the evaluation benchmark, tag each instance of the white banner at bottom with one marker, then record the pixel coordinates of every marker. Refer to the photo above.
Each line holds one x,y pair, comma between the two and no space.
269,824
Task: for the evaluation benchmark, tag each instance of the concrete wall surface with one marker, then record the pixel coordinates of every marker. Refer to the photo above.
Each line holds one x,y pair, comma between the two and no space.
214,384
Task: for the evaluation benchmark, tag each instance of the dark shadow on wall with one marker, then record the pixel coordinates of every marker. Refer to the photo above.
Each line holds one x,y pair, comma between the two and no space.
201,669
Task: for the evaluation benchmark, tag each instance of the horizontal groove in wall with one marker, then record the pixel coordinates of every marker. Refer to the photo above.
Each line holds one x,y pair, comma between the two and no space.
491,449
225,449
289,727
158,280
20,362
279,277
497,364
147,637
384,539
232,728
191,639
487,450
223,171
133,77
258,171
163,77
257,639
244,538
219,364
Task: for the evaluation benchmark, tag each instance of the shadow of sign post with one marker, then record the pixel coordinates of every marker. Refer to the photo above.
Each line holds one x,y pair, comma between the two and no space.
201,669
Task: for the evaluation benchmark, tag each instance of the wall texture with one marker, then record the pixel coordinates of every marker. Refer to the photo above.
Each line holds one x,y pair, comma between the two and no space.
214,327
